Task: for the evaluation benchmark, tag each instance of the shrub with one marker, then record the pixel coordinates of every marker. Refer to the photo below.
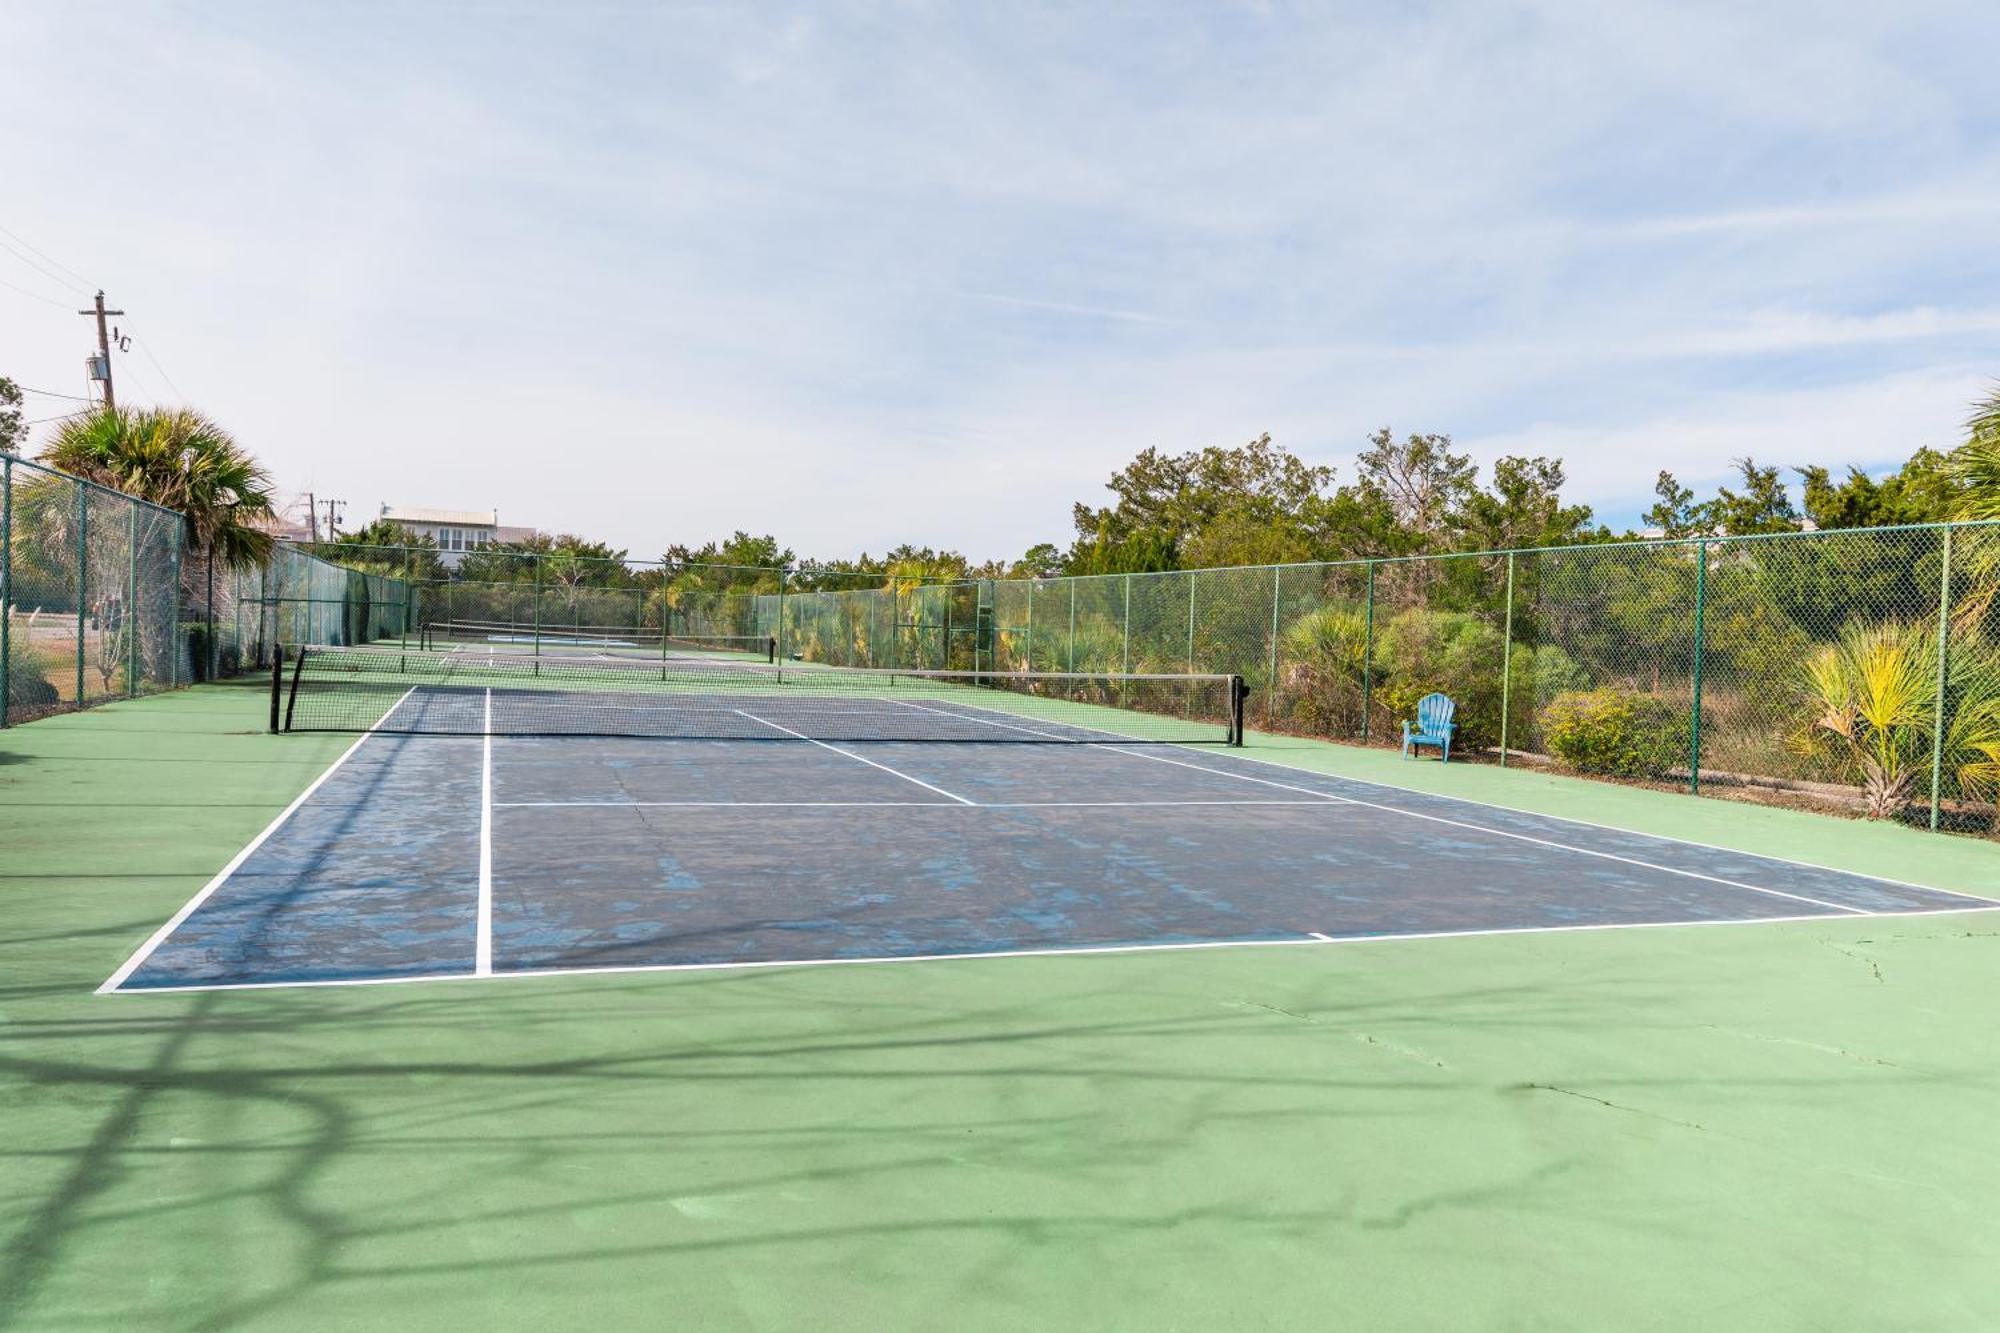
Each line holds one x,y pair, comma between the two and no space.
1323,654
1445,652
1622,733
27,691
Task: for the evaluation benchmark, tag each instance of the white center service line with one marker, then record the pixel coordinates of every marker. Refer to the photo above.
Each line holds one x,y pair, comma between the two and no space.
765,721
482,964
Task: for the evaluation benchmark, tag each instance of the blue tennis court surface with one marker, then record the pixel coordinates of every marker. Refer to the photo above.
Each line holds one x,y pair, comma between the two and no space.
422,856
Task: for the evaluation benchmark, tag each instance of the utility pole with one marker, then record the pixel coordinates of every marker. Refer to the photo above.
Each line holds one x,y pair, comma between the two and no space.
333,508
312,518
103,349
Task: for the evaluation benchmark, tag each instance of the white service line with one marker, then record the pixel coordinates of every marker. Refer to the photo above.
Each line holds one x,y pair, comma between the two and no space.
1437,819
883,805
173,922
482,949
619,969
765,721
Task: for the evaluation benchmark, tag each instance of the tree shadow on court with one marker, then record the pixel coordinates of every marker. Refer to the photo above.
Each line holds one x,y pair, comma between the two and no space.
293,1148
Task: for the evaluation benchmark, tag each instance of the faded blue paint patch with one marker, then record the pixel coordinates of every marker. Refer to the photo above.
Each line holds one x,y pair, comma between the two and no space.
377,875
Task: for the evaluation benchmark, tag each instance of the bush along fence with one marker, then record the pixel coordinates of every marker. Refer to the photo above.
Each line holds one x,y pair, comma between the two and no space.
1857,669
101,599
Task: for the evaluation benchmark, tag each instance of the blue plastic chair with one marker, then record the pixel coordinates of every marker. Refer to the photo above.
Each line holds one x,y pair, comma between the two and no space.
1434,726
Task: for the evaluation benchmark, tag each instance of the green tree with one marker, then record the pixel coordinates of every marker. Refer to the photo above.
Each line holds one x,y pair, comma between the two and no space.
1921,491
1761,505
1217,505
1419,485
1975,465
387,547
13,426
1676,513
1521,507
178,458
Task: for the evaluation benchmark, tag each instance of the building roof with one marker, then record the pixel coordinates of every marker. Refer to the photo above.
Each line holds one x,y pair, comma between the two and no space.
483,518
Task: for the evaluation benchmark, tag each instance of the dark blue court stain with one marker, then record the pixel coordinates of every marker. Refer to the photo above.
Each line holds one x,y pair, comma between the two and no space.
377,875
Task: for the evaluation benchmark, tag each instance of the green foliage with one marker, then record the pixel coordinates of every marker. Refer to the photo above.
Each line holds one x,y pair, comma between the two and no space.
1921,491
27,690
387,547
1875,692
180,459
1323,655
1975,465
1762,505
1446,652
13,425
1616,732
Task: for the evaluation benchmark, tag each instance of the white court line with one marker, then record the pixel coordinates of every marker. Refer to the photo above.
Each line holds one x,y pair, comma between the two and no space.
1440,819
173,922
879,805
482,950
1536,814
618,969
851,755
1616,828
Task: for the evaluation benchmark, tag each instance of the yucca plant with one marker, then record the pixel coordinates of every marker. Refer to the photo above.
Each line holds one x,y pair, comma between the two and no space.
1875,691
1325,653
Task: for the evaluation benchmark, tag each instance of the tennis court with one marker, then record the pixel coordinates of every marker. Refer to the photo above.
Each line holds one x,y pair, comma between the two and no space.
521,816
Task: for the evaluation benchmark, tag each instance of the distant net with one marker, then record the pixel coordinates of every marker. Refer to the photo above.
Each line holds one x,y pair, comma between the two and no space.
511,637
464,694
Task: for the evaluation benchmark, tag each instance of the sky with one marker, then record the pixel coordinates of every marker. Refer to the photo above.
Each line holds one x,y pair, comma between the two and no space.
858,274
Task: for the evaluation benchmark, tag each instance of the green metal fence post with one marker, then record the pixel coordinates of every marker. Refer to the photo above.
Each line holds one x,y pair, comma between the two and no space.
214,658
784,580
1507,664
82,579
1943,647
6,577
1271,680
1029,656
174,603
1368,657
535,563
1700,637
1072,624
130,619
1192,581
1128,625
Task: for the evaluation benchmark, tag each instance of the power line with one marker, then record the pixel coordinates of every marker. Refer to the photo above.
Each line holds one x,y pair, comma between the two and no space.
83,284
51,393
146,349
45,300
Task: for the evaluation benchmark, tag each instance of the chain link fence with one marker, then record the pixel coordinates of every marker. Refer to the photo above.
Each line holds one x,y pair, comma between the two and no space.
1856,670
101,599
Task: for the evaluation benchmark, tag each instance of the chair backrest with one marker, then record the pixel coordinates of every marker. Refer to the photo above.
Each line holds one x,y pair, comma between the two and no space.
1434,712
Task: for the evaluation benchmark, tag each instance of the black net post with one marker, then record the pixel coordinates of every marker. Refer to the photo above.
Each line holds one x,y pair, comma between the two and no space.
277,684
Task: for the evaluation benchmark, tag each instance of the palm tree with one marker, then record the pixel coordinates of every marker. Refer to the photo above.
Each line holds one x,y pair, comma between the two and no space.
1975,465
178,458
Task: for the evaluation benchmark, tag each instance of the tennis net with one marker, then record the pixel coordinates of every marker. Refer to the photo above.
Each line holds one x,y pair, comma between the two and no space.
487,636
458,694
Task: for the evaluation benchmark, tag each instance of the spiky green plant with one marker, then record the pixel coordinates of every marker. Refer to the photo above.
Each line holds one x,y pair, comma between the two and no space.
1876,692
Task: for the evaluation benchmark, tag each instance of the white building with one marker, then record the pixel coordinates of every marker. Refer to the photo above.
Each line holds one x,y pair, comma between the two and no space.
455,531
